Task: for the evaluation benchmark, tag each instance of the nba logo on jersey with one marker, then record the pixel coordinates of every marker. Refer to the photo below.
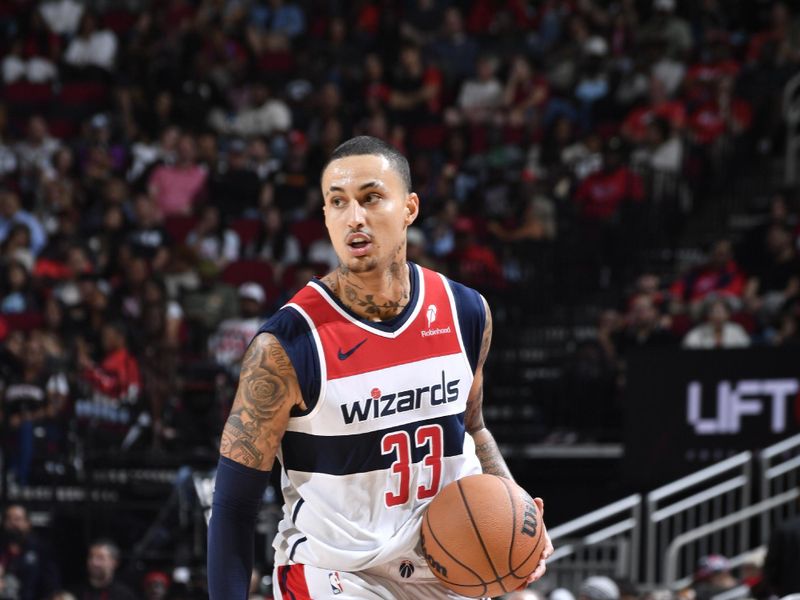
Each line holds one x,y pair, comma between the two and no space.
431,314
336,583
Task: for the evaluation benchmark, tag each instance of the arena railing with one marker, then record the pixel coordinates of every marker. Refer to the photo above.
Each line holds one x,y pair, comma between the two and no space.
710,511
605,541
780,472
694,501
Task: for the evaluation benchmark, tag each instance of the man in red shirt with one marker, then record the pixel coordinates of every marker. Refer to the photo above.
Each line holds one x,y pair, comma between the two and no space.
113,387
601,195
604,200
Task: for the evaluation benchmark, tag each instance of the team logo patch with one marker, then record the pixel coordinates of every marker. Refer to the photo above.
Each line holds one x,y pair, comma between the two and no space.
406,569
336,583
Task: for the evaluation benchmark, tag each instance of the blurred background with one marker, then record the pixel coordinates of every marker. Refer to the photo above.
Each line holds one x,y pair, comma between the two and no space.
618,178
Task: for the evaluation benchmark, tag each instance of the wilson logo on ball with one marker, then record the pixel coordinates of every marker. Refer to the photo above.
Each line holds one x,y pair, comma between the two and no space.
529,519
432,562
406,569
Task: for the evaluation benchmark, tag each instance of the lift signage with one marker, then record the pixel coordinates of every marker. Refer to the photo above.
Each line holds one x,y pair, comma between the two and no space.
684,410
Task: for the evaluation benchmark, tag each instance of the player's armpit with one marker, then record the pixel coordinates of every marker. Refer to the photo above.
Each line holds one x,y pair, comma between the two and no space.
267,392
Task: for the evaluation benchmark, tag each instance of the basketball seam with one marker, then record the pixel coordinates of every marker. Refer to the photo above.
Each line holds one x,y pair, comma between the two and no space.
513,524
478,534
531,553
446,551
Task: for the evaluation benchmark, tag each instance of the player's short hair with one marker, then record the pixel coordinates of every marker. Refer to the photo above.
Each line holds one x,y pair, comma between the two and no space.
368,145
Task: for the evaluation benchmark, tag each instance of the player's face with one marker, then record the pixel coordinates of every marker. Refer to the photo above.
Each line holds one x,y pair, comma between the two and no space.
367,211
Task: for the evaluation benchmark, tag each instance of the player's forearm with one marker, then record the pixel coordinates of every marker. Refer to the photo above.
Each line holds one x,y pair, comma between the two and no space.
491,460
237,497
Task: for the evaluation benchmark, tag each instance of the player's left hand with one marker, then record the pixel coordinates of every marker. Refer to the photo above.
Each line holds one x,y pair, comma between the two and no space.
548,548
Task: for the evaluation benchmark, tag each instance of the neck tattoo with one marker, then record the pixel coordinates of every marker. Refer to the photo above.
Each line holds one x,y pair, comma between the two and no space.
375,305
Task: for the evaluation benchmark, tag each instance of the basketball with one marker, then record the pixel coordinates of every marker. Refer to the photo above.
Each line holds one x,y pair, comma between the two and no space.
482,536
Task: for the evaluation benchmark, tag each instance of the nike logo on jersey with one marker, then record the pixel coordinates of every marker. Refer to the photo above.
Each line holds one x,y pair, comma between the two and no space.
382,405
346,355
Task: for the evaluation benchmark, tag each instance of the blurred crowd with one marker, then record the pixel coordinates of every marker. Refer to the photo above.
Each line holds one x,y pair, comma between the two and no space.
159,169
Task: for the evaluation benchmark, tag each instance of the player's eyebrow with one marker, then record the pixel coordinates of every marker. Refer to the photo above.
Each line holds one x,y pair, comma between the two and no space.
363,186
372,184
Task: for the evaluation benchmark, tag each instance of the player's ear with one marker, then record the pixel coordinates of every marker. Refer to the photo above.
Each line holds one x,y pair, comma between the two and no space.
412,208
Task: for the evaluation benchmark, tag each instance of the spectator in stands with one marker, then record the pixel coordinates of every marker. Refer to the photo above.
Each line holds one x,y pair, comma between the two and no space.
415,94
663,149
274,242
610,203
113,386
212,240
157,344
537,222
92,47
719,275
148,237
101,566
712,577
33,400
11,213
526,92
208,305
666,25
156,585
176,189
524,595
660,106
780,566
35,153
598,587
26,557
236,189
279,17
723,115
473,262
644,326
480,97
788,328
17,66
8,159
62,16
455,49
230,340
717,330
16,293
776,282
263,115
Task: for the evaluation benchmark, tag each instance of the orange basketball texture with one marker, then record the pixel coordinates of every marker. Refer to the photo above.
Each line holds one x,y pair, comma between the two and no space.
482,536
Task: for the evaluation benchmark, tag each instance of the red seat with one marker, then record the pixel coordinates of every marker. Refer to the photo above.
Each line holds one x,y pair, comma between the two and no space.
246,229
24,92
259,271
179,226
79,93
25,321
307,232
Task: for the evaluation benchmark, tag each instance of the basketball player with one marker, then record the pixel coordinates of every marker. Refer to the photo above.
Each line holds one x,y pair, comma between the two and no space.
368,388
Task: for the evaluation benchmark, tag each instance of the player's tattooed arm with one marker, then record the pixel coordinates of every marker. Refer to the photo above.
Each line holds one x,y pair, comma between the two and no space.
267,392
485,447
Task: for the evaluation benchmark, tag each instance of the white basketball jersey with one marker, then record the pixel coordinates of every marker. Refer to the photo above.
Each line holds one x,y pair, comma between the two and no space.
385,431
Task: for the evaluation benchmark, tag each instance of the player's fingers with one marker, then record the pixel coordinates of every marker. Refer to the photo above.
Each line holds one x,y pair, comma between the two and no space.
548,546
538,572
540,505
